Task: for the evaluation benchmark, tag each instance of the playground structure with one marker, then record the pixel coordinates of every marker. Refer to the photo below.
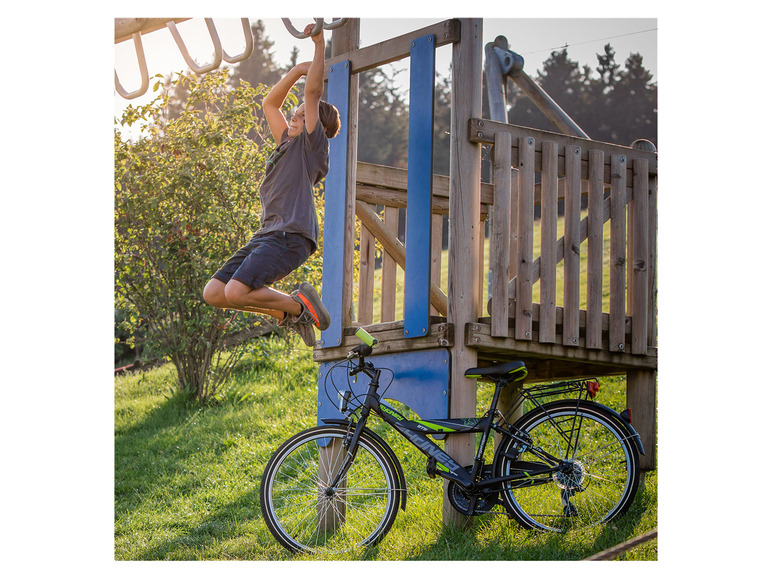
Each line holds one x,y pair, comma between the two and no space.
547,305
441,334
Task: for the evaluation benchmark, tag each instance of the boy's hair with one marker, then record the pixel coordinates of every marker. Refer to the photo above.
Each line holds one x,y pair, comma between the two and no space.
330,118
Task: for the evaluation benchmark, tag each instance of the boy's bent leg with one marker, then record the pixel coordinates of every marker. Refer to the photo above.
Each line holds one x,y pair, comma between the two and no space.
265,299
214,295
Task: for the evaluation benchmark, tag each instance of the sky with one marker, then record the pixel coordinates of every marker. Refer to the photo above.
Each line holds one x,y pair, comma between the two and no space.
532,38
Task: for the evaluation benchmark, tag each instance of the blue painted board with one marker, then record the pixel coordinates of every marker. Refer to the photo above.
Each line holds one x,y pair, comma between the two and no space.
335,186
418,215
421,380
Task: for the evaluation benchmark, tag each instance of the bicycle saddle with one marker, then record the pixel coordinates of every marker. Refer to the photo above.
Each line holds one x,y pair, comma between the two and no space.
510,371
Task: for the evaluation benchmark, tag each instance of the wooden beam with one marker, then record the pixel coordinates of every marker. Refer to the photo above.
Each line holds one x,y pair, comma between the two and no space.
483,131
394,49
478,335
391,340
393,246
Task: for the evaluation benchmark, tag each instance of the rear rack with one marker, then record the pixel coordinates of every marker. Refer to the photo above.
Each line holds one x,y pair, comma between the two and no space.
583,389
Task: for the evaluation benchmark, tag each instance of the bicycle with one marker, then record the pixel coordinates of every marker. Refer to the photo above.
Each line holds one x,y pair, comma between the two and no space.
567,463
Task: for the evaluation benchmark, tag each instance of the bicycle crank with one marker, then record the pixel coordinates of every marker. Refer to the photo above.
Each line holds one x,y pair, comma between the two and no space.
473,503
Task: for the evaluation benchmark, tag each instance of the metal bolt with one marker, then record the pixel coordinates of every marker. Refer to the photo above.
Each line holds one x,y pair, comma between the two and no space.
528,334
444,392
622,160
621,346
479,135
574,340
480,123
530,141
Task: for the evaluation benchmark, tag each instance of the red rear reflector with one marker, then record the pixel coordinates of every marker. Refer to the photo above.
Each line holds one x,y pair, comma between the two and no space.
592,388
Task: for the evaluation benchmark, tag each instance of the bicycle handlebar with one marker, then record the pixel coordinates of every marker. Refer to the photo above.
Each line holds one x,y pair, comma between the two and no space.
367,345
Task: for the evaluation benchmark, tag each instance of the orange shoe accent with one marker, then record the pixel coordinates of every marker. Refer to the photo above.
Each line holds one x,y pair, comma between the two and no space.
310,308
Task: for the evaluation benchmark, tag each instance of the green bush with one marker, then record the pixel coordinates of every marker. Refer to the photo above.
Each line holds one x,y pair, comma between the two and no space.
186,197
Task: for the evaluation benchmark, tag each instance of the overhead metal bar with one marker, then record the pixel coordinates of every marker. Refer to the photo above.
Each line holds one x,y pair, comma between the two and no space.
134,28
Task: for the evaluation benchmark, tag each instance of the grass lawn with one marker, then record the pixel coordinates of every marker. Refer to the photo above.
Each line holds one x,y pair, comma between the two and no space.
187,477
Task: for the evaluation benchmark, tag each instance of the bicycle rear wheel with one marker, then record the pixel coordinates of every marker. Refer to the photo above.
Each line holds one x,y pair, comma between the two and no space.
305,513
598,475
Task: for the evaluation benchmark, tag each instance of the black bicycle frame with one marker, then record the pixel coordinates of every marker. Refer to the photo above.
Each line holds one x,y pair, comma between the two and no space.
418,433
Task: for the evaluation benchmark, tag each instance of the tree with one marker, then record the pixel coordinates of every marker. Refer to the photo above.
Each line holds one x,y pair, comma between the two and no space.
383,120
260,67
185,199
619,105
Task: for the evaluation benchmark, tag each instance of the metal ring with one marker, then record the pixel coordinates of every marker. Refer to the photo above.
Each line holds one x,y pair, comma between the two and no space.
297,34
142,71
186,55
250,45
335,24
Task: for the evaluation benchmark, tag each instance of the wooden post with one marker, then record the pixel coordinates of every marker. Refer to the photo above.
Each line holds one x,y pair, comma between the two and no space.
463,280
641,400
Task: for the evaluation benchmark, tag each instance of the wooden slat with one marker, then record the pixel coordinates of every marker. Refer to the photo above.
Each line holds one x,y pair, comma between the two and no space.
549,230
572,244
524,289
436,276
617,256
595,252
500,236
394,246
640,255
389,269
394,49
366,276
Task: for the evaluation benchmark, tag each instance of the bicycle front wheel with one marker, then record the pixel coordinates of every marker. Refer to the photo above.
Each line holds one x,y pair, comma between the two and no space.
304,512
597,475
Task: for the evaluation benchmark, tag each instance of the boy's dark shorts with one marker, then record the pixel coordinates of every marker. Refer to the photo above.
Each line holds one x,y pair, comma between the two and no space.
267,258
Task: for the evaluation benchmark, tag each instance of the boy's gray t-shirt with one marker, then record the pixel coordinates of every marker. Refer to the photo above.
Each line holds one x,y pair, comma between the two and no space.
291,173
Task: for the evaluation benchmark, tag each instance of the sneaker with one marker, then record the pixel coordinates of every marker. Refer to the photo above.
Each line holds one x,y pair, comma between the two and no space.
313,309
304,330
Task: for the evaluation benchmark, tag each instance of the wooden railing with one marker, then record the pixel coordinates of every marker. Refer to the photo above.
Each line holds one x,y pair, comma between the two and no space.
597,295
620,183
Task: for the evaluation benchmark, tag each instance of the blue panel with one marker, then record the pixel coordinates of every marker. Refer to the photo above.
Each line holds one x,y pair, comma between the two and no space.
335,208
421,380
418,219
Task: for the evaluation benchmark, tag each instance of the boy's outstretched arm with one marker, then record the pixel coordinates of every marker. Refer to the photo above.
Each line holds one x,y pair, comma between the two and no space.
314,80
273,101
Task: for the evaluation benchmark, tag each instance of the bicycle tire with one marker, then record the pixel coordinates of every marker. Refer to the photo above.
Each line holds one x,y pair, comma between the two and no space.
600,475
305,515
